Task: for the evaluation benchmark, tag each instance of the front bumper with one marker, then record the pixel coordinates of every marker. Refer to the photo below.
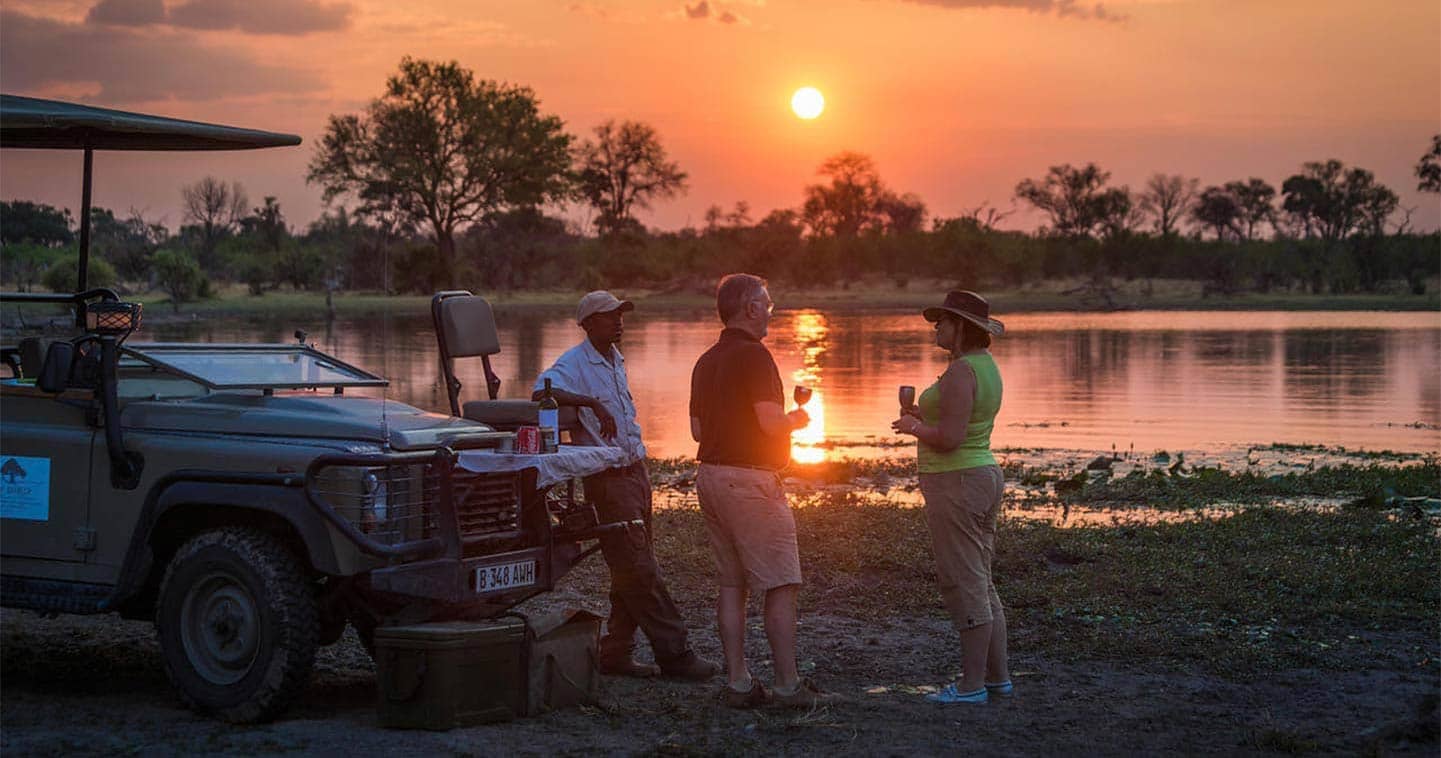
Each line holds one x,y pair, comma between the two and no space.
441,564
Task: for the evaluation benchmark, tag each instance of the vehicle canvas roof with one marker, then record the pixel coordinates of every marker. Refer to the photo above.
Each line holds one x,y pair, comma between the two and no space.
30,122
27,122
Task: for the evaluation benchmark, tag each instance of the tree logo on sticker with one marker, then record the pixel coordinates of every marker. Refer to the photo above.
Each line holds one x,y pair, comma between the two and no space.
12,470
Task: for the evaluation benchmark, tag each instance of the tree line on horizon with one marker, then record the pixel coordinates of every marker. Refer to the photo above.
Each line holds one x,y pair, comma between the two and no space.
447,181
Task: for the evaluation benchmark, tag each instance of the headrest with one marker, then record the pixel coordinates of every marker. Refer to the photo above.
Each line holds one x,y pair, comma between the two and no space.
55,373
469,326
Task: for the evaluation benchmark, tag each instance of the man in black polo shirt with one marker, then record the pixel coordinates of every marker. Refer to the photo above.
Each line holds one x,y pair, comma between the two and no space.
737,414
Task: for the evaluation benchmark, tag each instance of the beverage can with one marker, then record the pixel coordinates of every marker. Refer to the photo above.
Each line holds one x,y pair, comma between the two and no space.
527,439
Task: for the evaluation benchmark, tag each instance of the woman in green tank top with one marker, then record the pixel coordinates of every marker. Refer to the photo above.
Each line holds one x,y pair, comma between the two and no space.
962,485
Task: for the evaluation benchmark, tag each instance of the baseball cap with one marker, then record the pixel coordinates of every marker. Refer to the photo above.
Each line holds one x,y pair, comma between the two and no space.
600,301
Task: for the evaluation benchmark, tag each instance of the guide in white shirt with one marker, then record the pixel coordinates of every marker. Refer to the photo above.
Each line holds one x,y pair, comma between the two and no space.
591,376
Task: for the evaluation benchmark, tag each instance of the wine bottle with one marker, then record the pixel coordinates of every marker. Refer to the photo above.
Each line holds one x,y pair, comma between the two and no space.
549,421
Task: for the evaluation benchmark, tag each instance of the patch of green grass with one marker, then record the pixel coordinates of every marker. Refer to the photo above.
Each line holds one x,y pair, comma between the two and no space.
1163,489
663,471
1285,447
1261,590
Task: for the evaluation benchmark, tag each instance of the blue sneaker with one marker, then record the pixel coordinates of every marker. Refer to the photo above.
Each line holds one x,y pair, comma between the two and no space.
949,694
1004,689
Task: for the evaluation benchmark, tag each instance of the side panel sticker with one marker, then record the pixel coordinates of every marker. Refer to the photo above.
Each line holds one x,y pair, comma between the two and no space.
24,488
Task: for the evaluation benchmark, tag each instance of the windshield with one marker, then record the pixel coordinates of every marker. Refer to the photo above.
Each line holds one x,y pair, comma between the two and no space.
254,366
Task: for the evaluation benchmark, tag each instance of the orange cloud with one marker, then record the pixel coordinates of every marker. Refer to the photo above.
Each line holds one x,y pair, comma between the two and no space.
1062,8
286,17
128,65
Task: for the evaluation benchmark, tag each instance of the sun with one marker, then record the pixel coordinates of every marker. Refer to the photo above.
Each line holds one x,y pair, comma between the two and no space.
808,102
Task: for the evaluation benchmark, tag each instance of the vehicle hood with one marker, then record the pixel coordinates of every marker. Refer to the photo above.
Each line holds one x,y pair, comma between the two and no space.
401,426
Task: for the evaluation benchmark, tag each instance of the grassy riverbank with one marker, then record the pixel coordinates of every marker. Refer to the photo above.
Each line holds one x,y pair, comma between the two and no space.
1281,582
867,295
1275,624
1262,590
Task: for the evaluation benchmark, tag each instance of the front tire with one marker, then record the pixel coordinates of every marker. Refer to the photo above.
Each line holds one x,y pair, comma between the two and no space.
238,624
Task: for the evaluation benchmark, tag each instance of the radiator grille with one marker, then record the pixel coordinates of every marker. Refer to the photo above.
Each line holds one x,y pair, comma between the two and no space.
486,503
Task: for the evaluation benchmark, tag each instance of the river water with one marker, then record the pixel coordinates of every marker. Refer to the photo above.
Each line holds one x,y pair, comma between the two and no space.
1139,380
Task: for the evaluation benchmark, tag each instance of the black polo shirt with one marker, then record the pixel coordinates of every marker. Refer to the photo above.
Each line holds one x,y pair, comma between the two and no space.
729,379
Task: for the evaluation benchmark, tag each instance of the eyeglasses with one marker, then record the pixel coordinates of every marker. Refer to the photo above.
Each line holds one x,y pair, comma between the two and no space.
769,304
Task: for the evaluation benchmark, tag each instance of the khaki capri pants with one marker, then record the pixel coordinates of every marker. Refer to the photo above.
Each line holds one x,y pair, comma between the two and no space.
961,509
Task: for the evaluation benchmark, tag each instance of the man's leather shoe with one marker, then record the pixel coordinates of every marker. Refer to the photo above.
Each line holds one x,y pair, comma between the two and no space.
691,667
628,667
755,697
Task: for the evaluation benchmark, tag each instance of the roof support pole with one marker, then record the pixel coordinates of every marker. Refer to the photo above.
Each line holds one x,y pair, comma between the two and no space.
85,219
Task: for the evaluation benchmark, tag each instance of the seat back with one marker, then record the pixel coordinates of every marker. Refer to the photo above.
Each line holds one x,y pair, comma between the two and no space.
32,356
464,327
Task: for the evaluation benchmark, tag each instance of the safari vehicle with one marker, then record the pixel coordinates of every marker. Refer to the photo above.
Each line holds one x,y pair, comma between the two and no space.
245,497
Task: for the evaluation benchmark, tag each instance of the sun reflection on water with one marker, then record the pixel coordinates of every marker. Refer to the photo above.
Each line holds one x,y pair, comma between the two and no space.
811,331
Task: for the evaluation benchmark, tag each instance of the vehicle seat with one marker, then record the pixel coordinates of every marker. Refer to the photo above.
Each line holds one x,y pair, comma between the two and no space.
465,328
32,356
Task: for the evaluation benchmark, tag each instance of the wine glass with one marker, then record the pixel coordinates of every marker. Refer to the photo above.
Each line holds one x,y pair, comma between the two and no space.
802,394
907,396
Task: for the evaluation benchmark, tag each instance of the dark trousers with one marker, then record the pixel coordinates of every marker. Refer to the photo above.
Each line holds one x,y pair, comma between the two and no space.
638,596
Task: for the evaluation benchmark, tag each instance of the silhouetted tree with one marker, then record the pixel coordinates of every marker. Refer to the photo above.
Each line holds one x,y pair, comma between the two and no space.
1116,213
625,167
1168,199
126,243
902,214
24,221
1332,202
267,224
1254,205
1428,169
1076,200
214,208
1217,209
850,203
984,216
444,150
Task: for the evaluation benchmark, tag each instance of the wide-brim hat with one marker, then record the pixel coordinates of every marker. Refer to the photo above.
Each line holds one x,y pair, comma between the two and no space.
969,306
600,301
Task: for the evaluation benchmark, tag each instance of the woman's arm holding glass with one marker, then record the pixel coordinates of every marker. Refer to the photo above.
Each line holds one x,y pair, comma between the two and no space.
958,396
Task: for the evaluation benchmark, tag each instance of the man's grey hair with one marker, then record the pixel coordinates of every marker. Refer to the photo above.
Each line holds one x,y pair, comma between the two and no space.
733,292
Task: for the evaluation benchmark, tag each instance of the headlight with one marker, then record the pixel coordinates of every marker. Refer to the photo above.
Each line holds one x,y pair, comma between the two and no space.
385,502
375,491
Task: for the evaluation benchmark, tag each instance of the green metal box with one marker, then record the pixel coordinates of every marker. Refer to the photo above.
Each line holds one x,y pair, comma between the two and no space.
450,674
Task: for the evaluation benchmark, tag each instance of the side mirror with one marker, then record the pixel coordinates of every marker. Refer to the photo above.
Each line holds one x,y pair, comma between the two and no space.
55,371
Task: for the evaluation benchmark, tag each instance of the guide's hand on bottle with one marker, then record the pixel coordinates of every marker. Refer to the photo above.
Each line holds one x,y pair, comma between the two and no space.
799,418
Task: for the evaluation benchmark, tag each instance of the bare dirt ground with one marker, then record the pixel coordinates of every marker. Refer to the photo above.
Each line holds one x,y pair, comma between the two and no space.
94,685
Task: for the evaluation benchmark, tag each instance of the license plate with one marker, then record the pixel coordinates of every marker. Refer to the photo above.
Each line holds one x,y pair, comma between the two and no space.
504,576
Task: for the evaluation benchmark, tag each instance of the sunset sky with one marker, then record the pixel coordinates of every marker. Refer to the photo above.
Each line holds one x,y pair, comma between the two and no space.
956,100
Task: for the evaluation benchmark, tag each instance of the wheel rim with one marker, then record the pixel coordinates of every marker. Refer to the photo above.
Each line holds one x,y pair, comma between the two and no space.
220,628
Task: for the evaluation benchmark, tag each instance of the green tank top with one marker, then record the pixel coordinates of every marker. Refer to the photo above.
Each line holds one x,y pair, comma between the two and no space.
975,451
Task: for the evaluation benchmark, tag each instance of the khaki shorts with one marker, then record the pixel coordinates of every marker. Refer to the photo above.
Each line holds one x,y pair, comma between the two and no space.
752,531
961,508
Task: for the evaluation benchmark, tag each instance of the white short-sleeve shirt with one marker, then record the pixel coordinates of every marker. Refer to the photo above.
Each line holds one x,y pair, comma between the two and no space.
584,371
